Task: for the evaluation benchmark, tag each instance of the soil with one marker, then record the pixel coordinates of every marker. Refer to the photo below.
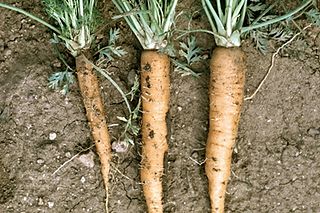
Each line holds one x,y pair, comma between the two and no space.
275,167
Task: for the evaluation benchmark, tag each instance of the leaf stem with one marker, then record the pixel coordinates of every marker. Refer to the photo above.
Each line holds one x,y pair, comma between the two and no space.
278,19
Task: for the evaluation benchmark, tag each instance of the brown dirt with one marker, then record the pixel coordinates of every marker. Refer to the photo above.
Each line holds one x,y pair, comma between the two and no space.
276,164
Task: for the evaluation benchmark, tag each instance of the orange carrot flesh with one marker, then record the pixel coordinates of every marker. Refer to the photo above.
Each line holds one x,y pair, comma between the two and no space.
90,91
155,81
226,92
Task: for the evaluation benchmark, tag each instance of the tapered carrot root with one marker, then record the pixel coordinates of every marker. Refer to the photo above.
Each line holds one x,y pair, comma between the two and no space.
94,106
155,104
226,90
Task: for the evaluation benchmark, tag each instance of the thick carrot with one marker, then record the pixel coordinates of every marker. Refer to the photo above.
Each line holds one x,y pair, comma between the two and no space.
226,90
155,104
90,91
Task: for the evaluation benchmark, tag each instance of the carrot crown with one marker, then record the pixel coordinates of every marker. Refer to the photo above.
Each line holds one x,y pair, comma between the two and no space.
150,20
76,21
227,20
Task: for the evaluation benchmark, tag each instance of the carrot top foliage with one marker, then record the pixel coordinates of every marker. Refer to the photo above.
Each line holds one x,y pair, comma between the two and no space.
227,20
150,20
76,20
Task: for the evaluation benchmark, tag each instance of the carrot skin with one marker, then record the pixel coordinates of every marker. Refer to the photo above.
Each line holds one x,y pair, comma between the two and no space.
90,91
226,91
155,91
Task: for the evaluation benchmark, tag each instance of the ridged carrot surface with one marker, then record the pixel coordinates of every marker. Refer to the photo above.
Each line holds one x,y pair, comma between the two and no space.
90,91
226,93
155,104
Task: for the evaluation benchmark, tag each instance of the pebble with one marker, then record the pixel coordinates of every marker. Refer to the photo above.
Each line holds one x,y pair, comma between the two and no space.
40,201
87,159
195,155
52,136
68,155
40,161
120,147
313,131
83,179
50,204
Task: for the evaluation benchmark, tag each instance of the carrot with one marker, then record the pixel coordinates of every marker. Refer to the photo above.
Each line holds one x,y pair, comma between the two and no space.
155,69
76,23
90,91
226,92
227,67
152,30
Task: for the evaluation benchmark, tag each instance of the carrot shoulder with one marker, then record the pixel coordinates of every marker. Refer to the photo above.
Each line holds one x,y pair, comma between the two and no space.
155,104
90,91
226,90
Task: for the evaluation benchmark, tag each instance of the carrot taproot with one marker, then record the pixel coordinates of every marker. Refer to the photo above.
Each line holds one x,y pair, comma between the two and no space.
226,92
93,103
152,29
155,94
227,66
77,22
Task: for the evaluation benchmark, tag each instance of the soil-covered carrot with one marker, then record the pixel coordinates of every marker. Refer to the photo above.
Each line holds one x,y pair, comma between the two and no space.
151,21
90,91
155,93
227,67
76,23
226,91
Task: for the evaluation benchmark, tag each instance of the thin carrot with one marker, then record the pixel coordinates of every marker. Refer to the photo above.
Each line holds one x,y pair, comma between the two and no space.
155,82
227,67
76,24
90,91
151,25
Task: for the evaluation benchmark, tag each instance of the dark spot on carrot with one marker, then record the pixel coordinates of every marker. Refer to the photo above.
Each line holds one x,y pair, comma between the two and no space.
223,183
214,159
216,170
147,67
151,134
148,82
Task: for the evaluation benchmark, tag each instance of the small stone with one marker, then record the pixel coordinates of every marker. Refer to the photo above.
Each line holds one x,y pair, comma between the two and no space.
40,201
87,159
120,147
52,136
40,161
179,108
50,204
68,155
56,63
83,179
195,155
313,131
